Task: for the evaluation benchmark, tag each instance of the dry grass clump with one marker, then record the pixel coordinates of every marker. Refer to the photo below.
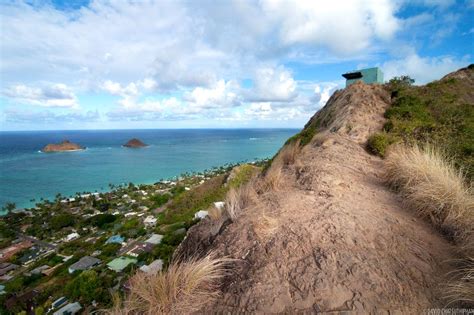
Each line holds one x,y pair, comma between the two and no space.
461,287
215,213
288,153
432,185
238,199
182,289
272,180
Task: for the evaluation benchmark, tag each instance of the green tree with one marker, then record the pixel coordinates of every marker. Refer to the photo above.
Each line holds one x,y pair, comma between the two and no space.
102,219
85,287
109,250
6,231
62,220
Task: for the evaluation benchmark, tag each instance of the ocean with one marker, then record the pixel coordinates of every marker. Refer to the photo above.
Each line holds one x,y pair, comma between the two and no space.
26,174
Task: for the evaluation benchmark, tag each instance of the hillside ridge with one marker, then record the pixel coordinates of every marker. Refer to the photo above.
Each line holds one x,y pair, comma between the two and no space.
330,236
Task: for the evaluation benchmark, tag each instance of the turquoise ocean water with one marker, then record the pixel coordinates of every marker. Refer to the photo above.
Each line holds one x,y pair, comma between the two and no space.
26,173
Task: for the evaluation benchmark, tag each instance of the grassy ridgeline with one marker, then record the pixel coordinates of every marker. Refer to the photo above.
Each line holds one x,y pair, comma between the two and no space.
440,113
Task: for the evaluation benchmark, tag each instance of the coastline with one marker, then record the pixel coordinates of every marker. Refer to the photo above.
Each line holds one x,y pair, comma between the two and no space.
28,175
41,200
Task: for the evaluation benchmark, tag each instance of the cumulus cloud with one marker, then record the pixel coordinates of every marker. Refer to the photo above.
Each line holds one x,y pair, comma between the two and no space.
222,94
180,43
272,85
186,59
54,95
422,69
323,91
344,26
129,92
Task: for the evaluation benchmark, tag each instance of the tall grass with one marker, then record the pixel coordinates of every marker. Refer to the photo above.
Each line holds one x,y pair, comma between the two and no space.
215,213
182,289
238,199
288,153
461,287
431,184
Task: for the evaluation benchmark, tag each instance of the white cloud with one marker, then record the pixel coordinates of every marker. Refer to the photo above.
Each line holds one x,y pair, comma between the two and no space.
273,85
185,59
345,27
222,94
422,69
179,43
53,95
323,91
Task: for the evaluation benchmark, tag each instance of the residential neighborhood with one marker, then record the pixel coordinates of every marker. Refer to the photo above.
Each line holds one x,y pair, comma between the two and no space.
51,255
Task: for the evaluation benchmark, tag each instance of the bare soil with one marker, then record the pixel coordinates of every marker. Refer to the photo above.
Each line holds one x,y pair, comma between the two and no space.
333,238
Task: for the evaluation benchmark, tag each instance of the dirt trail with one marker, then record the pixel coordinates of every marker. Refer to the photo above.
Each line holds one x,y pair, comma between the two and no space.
333,238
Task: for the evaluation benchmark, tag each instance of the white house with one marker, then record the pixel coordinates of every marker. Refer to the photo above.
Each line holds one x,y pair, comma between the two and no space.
68,200
201,214
71,237
150,221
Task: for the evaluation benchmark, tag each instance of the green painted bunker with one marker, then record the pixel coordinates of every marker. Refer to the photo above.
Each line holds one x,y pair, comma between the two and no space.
368,76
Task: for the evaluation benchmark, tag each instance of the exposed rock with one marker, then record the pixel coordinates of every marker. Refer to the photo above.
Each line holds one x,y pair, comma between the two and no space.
66,145
135,143
349,246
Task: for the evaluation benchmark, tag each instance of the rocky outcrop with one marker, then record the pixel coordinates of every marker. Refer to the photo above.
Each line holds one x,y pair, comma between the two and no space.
332,238
66,145
135,143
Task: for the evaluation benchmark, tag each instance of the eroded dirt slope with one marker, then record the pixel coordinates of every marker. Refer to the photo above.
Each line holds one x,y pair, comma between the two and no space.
332,237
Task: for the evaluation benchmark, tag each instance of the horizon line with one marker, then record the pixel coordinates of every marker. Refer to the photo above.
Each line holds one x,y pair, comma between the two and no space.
126,129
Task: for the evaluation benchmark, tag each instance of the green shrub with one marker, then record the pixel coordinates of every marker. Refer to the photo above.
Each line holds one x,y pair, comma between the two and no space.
159,200
173,239
243,174
379,142
164,252
440,113
184,205
304,136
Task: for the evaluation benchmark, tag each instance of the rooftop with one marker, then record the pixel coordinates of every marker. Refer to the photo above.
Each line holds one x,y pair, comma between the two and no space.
71,308
154,239
120,263
117,239
84,263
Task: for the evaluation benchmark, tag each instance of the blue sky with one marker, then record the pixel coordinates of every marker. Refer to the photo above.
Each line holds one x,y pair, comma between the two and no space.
211,64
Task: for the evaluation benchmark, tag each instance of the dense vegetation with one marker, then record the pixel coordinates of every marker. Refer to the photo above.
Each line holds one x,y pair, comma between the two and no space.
440,113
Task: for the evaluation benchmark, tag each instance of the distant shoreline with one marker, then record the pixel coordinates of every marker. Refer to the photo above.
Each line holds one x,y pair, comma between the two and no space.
169,179
27,174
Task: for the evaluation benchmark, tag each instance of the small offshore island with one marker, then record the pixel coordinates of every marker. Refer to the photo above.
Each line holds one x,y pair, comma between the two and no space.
66,145
135,143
